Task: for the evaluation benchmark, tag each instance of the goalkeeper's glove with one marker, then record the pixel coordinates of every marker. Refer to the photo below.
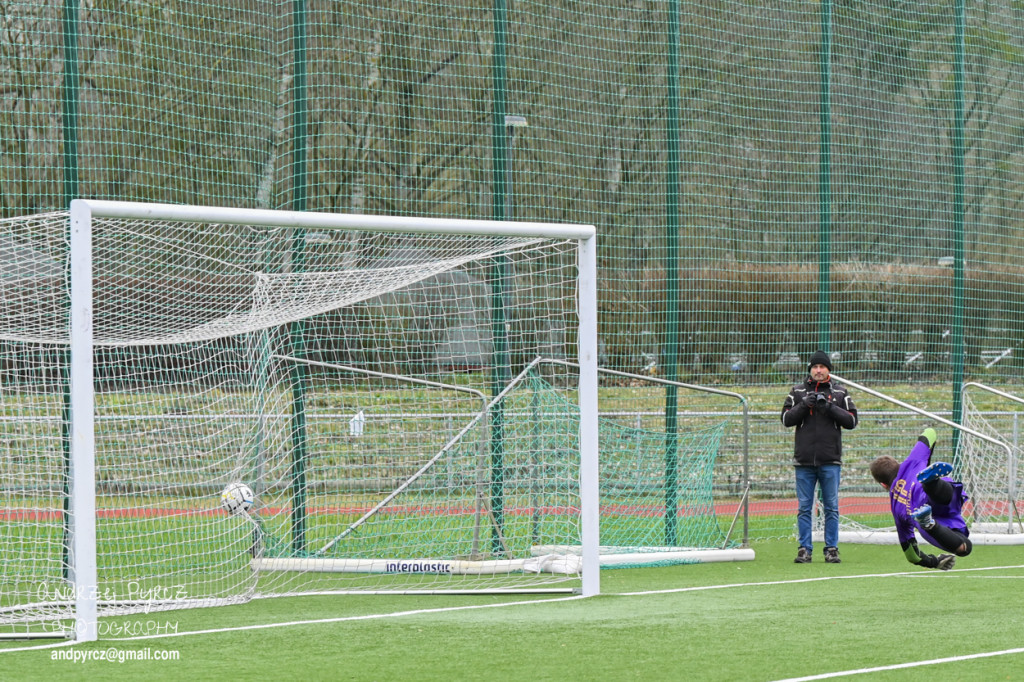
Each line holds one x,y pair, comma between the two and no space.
943,562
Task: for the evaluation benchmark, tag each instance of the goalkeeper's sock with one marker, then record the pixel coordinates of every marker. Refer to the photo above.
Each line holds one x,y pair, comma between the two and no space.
938,490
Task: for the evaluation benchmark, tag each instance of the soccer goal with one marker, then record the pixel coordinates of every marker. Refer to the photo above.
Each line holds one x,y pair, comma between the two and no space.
991,474
370,380
983,462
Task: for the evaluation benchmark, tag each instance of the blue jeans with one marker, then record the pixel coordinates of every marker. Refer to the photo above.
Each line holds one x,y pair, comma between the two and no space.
827,478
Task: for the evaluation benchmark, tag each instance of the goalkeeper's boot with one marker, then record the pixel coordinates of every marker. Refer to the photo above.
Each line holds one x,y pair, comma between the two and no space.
937,470
923,516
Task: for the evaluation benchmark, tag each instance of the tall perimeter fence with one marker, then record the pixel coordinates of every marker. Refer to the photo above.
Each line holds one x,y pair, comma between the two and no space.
766,178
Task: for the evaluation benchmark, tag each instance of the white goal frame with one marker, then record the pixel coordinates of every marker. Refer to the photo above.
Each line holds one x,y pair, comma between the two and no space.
83,569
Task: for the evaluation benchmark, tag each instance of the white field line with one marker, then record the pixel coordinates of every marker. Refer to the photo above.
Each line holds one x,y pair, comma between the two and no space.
900,666
417,612
37,647
914,574
343,619
860,671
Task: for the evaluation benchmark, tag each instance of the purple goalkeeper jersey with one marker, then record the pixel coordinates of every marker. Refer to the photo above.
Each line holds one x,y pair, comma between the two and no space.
906,495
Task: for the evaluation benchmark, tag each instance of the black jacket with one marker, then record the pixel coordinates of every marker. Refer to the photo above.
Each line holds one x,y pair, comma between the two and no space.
819,438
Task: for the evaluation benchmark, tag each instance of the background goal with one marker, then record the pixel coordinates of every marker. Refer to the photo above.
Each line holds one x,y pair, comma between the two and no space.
992,475
983,460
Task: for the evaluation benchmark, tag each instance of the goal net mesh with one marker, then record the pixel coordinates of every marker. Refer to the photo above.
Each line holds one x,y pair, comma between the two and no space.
991,477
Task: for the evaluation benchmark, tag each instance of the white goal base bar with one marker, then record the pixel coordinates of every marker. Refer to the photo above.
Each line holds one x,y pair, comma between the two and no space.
18,636
982,535
612,556
566,561
561,565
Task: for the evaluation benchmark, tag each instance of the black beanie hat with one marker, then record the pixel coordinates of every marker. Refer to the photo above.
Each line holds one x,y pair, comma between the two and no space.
819,357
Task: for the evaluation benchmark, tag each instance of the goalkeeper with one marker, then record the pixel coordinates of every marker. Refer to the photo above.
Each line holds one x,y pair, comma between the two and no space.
923,496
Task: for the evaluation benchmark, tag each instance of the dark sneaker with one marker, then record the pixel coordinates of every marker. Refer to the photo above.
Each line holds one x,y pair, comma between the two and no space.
937,470
803,556
923,516
946,562
832,555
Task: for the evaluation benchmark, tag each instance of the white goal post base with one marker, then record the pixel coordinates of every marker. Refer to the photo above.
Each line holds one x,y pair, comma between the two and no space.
567,561
612,556
17,636
979,536
559,565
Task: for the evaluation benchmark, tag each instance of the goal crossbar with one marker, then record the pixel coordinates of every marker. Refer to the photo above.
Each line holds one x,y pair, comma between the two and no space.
990,389
330,221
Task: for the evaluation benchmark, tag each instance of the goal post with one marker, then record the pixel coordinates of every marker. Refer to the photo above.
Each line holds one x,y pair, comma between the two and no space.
82,484
179,320
858,533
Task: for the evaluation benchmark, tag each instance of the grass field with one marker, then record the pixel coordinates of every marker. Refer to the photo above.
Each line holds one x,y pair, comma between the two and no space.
768,619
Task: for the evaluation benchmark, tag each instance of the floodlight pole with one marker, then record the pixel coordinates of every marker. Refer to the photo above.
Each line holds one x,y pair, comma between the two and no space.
501,362
297,331
673,298
512,124
958,153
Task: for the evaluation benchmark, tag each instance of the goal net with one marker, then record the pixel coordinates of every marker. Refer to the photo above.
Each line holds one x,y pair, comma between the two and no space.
992,475
363,376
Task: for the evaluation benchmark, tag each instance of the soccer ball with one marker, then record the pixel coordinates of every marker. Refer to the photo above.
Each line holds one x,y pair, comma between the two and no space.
237,498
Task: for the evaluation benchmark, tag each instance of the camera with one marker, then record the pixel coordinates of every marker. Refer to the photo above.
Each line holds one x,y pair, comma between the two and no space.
820,400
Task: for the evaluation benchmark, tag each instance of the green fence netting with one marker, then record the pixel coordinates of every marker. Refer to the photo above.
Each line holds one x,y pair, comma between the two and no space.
766,178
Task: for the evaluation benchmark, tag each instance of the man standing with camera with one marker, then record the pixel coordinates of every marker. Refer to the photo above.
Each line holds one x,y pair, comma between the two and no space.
819,408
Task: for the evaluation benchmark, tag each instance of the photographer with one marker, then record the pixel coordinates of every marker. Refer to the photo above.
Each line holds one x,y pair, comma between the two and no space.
819,409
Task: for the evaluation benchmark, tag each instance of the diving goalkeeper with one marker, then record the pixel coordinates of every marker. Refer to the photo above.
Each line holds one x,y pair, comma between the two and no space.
922,495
